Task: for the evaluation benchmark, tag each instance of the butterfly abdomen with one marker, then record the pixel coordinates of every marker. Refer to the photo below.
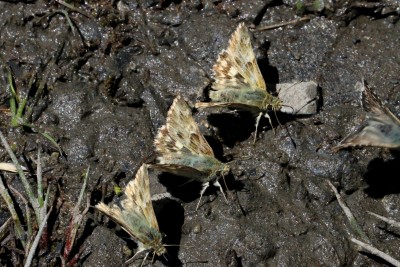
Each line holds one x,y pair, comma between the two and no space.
249,97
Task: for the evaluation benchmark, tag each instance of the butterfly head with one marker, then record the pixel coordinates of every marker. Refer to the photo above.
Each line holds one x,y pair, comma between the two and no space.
160,250
157,246
223,170
271,102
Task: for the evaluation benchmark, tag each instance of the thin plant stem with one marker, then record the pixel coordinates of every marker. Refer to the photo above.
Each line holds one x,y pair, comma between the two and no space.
40,185
27,210
353,222
386,220
16,113
74,8
21,108
83,189
19,231
374,251
24,180
65,13
76,219
285,23
13,100
36,240
4,227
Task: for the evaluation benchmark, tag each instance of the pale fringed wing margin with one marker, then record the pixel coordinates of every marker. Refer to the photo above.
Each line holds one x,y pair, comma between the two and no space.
180,135
382,128
236,67
135,213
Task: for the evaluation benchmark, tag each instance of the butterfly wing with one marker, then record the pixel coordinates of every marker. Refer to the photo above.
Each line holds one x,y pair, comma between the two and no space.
135,213
374,106
382,129
238,80
181,147
236,66
179,170
138,192
180,135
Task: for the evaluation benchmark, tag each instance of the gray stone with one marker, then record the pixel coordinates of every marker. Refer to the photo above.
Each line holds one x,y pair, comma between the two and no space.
300,98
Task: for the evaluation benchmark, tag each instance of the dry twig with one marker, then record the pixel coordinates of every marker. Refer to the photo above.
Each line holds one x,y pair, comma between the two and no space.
374,251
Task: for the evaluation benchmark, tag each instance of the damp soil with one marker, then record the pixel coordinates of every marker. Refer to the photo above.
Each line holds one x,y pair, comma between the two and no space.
100,82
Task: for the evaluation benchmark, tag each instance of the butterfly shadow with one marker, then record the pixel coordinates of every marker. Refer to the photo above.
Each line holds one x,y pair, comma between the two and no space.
382,176
170,216
189,191
240,126
233,127
269,73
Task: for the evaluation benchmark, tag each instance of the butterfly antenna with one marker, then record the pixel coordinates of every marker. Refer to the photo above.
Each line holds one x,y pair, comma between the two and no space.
300,108
165,257
276,117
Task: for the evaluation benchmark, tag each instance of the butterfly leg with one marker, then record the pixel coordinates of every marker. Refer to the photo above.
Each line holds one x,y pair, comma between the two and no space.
266,115
203,189
257,122
140,250
147,254
216,183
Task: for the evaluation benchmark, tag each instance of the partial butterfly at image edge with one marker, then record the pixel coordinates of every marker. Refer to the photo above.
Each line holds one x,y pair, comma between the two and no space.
382,127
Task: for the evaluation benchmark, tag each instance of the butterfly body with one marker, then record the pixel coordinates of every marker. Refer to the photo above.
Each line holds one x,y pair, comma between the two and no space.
382,127
182,149
246,99
205,168
135,214
238,81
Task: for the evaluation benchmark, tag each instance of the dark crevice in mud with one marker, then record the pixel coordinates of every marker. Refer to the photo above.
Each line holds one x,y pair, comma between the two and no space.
166,209
233,127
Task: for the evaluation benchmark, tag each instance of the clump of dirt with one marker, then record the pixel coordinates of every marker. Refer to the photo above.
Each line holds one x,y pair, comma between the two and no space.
100,76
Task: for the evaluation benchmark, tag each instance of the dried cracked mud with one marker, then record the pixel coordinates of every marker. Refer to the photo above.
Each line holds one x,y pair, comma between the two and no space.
100,82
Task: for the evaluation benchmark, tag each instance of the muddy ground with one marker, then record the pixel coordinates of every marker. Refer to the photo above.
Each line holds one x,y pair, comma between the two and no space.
101,86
